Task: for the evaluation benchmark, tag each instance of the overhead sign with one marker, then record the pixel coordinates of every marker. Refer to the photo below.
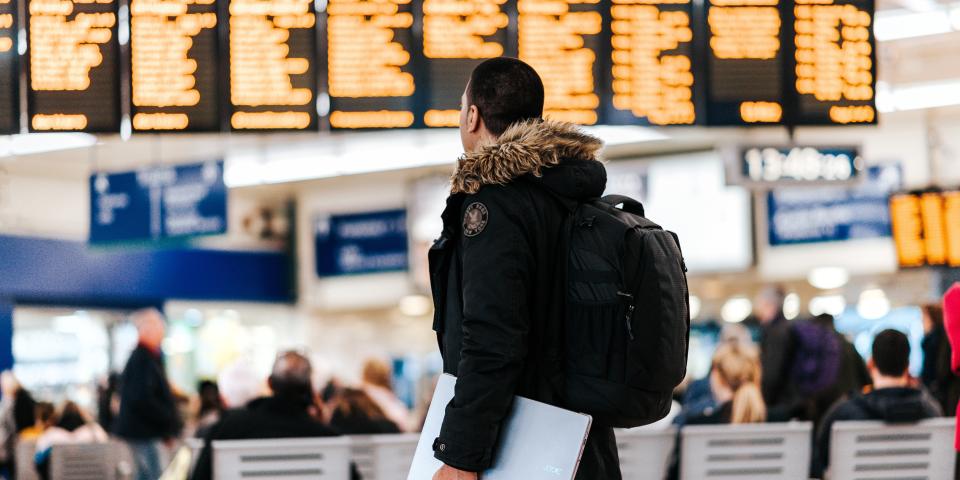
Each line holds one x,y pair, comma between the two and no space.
373,242
798,165
926,228
158,203
799,215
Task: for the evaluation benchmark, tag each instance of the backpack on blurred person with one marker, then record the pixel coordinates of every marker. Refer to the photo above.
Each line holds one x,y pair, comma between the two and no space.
627,316
816,364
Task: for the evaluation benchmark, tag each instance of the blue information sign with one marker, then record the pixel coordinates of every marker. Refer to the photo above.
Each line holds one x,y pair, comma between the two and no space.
798,215
158,203
372,242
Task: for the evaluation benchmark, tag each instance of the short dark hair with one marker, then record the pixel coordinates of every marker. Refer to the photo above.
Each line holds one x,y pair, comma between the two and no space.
891,353
505,91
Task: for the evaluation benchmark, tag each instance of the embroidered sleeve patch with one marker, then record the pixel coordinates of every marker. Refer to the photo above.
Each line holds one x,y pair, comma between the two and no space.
475,219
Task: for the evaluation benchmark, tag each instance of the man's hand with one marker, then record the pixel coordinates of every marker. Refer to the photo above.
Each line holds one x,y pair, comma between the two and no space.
450,473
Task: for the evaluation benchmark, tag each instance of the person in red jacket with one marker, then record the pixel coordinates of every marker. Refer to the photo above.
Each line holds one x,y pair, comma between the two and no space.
951,323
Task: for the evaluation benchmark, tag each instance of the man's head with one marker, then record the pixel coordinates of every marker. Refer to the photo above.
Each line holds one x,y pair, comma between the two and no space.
502,91
150,327
769,304
890,359
291,378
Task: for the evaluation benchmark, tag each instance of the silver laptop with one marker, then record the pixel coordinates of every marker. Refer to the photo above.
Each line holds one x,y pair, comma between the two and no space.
537,442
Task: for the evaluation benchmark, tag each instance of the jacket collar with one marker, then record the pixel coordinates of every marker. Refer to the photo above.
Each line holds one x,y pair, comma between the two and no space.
525,148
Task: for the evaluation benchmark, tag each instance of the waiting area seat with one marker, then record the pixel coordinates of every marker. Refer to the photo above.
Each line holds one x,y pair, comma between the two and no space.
774,451
383,457
645,453
84,461
875,450
282,459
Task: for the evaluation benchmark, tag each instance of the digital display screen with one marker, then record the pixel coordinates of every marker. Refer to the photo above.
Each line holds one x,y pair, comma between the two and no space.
173,65
272,65
9,73
369,70
834,58
561,39
73,75
652,62
745,62
457,36
926,228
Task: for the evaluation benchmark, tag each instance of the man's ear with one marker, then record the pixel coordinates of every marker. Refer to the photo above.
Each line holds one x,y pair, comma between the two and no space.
871,366
474,122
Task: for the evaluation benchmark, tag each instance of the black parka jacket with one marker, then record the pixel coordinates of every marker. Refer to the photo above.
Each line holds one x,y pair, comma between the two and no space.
495,274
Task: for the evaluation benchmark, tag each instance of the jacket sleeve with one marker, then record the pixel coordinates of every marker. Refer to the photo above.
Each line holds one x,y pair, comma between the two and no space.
497,271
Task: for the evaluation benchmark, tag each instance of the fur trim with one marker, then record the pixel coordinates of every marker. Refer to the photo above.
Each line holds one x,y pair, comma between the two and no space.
525,148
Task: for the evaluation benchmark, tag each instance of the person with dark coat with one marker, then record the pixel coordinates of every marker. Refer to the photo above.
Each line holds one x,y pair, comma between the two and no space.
356,413
777,348
148,413
494,268
892,399
285,414
936,373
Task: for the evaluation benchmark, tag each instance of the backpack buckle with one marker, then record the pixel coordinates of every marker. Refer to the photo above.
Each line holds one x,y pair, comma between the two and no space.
588,222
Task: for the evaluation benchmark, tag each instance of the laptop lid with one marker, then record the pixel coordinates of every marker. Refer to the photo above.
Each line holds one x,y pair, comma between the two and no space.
537,442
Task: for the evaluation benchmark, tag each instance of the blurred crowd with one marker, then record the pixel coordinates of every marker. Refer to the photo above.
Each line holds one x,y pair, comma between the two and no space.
767,369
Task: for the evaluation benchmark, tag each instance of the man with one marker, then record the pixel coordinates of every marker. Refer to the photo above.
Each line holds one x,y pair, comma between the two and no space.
776,346
494,270
148,414
285,414
892,400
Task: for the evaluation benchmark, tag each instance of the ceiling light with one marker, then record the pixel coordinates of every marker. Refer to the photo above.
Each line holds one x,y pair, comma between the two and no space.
415,305
695,305
30,143
736,310
917,96
873,304
791,306
827,304
899,24
828,278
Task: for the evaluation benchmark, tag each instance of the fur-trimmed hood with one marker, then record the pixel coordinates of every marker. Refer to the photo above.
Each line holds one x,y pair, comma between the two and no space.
559,154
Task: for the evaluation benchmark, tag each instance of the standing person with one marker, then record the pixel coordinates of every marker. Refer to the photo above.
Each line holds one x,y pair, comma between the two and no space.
951,324
776,346
148,413
495,266
936,374
378,385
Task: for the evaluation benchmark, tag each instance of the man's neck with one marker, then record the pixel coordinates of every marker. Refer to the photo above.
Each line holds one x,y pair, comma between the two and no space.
881,382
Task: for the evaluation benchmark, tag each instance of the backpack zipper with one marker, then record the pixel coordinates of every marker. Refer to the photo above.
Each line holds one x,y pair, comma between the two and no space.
628,316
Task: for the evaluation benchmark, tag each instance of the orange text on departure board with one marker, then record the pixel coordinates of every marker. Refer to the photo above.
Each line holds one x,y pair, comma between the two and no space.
551,40
6,22
163,75
260,64
833,57
647,82
926,228
63,51
456,28
366,60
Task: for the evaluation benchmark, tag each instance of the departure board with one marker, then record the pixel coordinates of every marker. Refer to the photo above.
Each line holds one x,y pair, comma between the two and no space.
72,75
272,65
560,40
652,67
9,73
834,60
926,228
369,69
745,62
457,36
173,64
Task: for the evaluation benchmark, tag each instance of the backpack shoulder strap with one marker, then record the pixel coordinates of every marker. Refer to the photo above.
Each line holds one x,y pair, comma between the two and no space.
629,205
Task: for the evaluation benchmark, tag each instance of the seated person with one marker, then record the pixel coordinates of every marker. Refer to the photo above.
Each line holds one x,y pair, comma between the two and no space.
285,414
357,414
72,426
735,384
892,399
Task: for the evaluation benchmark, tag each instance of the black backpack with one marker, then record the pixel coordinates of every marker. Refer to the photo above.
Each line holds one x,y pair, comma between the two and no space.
627,319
